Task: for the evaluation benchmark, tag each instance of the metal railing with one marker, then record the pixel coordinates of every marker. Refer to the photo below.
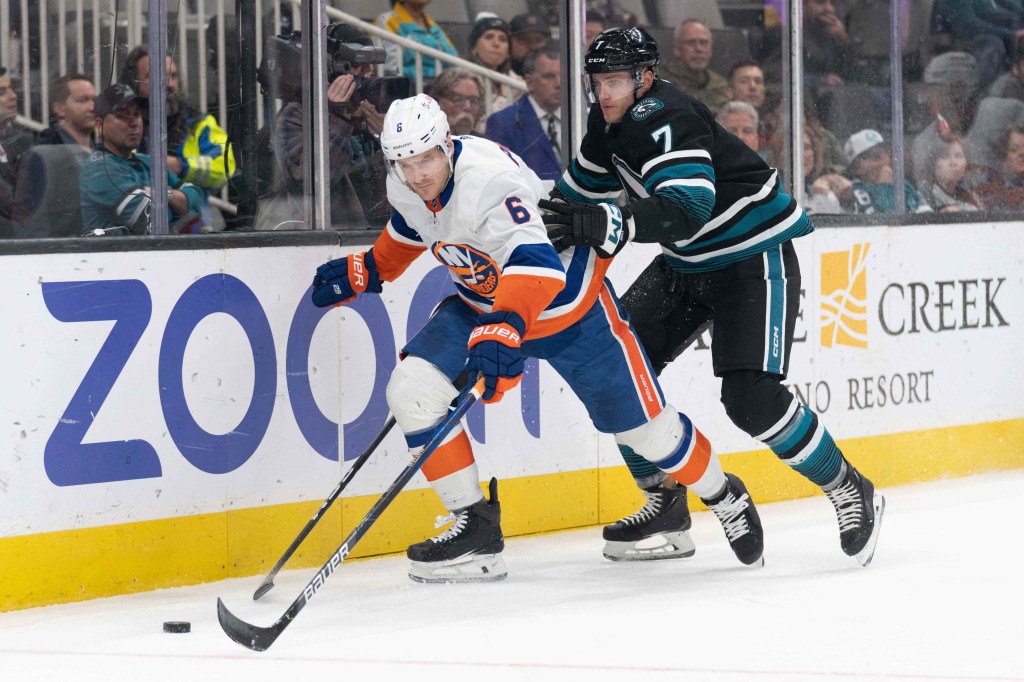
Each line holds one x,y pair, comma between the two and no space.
46,39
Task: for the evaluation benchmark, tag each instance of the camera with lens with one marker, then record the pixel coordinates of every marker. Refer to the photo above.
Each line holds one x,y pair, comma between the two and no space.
349,49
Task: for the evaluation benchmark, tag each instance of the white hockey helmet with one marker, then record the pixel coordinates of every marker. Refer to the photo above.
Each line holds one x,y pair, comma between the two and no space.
412,126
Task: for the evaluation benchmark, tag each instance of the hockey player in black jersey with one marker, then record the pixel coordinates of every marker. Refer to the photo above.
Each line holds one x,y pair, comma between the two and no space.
726,230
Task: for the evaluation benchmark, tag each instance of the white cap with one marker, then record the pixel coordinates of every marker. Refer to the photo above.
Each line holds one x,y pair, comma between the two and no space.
860,142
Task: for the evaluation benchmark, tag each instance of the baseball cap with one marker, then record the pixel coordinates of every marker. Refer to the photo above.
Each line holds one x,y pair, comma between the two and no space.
950,68
529,23
114,98
862,141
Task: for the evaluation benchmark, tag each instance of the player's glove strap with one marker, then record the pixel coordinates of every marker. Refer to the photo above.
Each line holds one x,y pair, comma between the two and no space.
605,227
494,351
340,280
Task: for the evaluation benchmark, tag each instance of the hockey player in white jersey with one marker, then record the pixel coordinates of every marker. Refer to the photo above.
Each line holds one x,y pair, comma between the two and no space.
473,205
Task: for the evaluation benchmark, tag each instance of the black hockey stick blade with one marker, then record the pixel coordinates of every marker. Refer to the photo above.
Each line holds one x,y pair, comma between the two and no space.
268,581
260,638
248,635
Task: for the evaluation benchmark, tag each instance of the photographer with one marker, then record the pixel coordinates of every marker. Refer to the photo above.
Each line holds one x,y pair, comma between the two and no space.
355,118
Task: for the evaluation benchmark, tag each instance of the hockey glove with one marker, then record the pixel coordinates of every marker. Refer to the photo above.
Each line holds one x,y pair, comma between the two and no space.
494,351
340,280
602,226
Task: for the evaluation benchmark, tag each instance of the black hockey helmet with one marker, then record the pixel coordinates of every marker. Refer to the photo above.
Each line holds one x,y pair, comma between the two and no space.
622,49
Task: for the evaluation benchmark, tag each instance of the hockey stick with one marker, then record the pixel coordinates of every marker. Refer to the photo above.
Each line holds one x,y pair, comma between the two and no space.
268,582
260,638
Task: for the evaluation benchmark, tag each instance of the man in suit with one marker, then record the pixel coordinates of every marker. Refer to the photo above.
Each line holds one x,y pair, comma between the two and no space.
532,127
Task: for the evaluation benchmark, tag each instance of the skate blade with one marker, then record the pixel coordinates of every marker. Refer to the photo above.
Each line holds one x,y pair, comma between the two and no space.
476,568
865,556
677,545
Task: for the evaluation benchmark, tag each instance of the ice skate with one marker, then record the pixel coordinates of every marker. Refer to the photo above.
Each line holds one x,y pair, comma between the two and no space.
469,551
859,509
736,511
657,531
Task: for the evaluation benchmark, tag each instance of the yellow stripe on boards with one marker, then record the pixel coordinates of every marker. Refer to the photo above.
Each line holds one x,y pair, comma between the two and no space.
73,565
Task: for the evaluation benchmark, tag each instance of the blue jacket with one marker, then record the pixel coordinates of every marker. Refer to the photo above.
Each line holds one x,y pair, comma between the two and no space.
518,128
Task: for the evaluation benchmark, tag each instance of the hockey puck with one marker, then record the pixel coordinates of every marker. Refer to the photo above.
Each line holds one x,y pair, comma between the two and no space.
177,626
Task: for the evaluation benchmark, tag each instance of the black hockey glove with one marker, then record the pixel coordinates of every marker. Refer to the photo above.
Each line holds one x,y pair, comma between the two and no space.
602,226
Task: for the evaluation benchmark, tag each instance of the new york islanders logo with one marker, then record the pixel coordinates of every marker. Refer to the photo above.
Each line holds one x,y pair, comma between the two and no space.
475,268
645,108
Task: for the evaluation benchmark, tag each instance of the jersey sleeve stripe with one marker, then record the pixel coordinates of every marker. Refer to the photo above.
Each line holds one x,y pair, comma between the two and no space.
393,256
574,192
695,155
698,202
683,171
401,231
589,165
594,181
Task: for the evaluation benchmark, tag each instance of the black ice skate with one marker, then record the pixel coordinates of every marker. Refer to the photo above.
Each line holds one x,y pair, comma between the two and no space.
735,510
469,551
859,509
657,531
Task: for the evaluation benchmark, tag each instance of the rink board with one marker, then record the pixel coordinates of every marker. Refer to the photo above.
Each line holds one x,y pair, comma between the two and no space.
175,417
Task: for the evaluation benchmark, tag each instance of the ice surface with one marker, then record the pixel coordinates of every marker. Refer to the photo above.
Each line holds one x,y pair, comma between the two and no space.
943,600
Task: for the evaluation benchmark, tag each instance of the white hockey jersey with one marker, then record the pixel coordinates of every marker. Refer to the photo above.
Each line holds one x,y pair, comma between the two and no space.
485,227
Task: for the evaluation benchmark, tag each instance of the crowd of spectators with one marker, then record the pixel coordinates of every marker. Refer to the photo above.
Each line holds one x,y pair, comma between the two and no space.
89,169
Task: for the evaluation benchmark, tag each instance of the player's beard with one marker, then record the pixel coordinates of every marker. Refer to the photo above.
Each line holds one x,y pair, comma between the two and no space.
463,124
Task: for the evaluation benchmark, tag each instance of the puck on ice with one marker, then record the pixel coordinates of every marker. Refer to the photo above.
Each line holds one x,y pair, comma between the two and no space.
177,626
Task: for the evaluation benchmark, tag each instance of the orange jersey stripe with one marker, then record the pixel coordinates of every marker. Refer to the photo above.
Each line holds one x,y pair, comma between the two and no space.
645,383
527,295
393,257
453,456
554,325
697,462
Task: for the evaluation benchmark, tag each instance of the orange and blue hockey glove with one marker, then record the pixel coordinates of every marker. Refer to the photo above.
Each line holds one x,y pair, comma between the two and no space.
494,351
340,280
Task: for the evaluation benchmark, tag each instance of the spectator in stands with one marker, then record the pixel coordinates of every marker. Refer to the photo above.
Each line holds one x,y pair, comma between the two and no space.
741,119
746,83
943,168
15,140
529,32
824,192
829,58
489,45
595,23
197,147
773,141
988,29
46,193
692,47
951,82
409,19
1011,83
115,183
1012,144
353,147
994,117
871,170
73,121
460,96
532,126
